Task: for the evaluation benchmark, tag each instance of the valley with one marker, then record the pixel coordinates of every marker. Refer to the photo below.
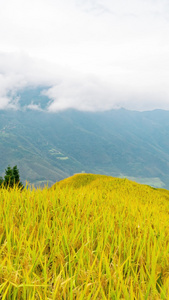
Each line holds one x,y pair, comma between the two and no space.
48,147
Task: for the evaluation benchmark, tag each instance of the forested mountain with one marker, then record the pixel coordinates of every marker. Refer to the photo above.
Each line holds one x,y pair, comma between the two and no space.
51,146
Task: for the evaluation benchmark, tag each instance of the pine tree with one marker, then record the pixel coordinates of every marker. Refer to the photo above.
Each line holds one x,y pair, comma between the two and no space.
9,178
12,178
17,177
15,172
1,181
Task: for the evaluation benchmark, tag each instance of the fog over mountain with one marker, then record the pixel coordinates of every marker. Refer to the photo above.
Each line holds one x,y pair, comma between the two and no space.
48,147
66,88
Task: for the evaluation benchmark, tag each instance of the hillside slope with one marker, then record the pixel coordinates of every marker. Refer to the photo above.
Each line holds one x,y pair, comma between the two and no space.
87,237
107,184
49,147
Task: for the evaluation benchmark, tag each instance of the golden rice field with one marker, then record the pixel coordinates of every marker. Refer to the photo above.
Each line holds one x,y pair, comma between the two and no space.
88,237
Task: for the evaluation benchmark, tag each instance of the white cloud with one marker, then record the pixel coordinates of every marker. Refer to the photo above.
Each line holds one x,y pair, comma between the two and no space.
19,71
34,107
94,54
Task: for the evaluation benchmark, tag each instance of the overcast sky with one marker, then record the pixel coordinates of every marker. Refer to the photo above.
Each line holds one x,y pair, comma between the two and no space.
91,54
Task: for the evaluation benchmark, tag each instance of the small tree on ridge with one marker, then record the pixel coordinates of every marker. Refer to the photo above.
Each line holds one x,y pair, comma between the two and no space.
12,177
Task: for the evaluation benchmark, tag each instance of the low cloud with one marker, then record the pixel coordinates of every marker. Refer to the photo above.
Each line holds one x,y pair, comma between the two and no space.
86,93
19,71
34,107
66,88
97,96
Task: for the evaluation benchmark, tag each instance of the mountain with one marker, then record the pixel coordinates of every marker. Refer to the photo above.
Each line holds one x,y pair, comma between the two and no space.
48,147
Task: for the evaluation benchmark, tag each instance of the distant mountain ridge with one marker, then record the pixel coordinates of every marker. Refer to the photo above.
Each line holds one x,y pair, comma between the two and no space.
48,147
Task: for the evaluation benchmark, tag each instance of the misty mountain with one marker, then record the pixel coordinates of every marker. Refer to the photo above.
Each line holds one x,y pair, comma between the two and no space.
48,147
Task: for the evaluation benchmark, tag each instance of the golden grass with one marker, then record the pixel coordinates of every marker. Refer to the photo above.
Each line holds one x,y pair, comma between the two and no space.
88,237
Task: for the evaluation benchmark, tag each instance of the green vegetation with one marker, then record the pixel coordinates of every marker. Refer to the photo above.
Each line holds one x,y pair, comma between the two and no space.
11,179
87,237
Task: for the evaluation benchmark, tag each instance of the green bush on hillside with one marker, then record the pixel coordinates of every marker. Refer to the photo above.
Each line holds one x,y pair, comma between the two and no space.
11,178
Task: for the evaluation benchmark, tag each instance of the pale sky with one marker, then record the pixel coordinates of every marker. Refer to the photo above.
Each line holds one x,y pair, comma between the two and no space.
92,54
